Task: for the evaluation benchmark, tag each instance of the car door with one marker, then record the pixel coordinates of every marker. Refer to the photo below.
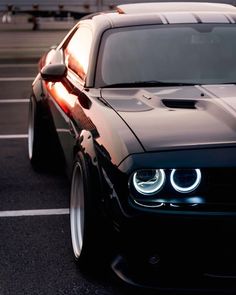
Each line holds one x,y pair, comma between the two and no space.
63,95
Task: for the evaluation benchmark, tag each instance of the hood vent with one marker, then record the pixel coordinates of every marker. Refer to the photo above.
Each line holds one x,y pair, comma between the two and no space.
179,103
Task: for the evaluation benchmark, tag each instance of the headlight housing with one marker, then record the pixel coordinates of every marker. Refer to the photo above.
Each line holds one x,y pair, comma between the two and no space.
149,181
185,180
165,183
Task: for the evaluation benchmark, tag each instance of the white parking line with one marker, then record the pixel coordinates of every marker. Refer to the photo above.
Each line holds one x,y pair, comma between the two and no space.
13,136
40,212
8,79
14,100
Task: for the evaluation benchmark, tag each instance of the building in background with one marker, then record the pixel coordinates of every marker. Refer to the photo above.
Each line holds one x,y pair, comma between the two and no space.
75,8
60,8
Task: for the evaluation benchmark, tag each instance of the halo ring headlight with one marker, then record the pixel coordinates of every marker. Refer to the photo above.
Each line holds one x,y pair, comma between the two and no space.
149,181
185,180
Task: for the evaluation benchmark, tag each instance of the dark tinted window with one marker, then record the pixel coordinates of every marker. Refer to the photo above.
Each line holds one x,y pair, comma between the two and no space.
199,53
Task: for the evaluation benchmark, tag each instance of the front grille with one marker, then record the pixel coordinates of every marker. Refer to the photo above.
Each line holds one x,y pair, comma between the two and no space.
219,185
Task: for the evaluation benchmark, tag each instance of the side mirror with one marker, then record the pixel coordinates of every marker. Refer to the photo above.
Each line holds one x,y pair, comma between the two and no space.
53,72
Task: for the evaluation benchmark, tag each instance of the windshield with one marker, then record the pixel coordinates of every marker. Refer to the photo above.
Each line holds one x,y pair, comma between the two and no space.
185,54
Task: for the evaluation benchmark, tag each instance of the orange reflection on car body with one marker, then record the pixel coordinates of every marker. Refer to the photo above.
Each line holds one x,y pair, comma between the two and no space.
65,99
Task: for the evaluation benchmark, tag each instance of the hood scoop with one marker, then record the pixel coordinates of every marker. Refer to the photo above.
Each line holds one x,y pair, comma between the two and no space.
180,103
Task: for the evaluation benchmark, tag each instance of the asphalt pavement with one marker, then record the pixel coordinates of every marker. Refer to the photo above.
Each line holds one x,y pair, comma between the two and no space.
19,41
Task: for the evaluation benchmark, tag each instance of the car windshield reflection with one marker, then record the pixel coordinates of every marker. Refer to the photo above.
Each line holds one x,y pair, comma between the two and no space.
202,54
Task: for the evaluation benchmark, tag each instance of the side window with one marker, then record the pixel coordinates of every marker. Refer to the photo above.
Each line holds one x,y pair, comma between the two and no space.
77,51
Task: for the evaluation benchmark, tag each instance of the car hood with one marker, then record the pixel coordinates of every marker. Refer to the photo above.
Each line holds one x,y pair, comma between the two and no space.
177,117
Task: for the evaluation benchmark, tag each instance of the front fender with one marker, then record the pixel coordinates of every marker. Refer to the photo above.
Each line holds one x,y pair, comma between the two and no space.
86,144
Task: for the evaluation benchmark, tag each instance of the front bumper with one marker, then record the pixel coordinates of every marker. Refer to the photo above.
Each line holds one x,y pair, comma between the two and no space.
175,251
174,283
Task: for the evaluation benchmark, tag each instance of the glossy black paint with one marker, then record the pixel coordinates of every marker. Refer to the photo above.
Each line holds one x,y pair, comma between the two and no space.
53,72
123,130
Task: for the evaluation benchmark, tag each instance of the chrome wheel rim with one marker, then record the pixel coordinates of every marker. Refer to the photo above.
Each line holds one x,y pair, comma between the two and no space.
31,129
77,210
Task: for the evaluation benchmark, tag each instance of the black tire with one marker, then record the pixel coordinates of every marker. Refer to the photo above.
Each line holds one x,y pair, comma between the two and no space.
43,146
87,226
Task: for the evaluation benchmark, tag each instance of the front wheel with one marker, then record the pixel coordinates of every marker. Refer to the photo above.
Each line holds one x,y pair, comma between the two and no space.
87,228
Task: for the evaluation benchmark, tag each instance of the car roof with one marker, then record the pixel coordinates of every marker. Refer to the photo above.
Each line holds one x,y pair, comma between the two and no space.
166,13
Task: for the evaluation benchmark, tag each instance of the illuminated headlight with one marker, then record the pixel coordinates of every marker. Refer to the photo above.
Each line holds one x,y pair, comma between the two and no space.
149,181
185,180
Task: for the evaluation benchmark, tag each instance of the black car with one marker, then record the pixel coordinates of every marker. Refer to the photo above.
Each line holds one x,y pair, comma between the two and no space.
139,107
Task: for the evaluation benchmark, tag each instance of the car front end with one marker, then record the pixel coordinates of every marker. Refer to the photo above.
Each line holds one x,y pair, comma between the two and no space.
174,223
173,206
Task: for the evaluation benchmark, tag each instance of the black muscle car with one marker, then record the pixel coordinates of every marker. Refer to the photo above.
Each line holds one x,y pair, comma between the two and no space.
139,107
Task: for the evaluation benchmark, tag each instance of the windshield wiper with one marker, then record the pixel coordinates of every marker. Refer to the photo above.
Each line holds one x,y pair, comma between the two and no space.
147,84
